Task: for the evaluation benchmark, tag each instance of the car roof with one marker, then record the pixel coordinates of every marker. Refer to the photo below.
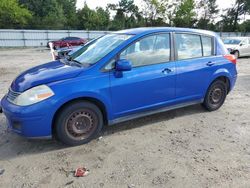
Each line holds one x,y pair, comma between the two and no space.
148,30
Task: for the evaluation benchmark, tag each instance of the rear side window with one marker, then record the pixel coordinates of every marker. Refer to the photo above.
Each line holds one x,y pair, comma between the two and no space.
188,46
207,44
148,50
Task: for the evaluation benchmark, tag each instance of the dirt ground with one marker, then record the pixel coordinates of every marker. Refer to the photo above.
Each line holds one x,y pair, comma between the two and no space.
188,147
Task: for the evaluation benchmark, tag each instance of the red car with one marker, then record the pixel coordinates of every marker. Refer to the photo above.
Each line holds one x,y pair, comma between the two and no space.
67,41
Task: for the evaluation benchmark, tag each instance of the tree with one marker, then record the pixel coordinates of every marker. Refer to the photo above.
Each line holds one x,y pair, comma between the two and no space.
127,14
12,15
245,26
47,14
241,7
209,9
155,11
232,15
185,15
69,11
103,19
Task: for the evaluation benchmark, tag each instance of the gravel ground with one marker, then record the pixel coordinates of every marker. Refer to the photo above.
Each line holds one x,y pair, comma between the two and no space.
188,147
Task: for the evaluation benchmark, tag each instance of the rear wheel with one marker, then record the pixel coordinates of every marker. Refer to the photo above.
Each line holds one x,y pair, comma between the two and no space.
215,96
78,123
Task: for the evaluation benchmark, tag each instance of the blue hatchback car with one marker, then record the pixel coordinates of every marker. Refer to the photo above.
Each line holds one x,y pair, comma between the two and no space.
118,77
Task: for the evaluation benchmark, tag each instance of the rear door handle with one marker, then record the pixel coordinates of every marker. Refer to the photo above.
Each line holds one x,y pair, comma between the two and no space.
167,70
210,63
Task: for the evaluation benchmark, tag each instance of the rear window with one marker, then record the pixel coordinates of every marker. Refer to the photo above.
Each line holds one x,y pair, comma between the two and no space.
193,46
207,45
188,46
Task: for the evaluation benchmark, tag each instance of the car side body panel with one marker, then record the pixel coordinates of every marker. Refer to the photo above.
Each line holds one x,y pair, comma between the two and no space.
141,91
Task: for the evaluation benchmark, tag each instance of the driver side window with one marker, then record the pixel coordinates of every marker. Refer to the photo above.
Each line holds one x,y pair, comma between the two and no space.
149,50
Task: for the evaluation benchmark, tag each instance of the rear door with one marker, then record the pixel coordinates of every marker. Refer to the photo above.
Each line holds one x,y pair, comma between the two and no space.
151,82
195,65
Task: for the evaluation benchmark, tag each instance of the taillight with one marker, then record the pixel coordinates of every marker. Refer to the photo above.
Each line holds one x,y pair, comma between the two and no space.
231,58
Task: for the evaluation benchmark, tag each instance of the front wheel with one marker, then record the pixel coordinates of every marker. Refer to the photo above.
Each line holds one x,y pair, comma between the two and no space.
215,96
78,123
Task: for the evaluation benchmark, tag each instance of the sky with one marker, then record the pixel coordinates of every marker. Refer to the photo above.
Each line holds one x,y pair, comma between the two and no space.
102,3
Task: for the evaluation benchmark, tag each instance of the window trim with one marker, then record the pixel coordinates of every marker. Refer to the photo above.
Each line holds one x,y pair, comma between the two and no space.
145,36
200,35
212,43
117,55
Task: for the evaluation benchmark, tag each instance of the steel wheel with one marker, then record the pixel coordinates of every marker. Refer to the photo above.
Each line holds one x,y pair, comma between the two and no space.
78,123
215,95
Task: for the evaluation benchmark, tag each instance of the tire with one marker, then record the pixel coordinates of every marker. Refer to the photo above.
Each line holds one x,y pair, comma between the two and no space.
78,123
215,96
236,54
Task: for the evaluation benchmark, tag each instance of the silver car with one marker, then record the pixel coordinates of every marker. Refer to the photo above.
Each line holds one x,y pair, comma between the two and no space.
239,46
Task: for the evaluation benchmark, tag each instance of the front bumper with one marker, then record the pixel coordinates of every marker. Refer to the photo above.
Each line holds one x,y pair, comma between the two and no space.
32,121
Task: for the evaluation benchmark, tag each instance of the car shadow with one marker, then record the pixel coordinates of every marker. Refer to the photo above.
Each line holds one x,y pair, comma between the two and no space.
12,145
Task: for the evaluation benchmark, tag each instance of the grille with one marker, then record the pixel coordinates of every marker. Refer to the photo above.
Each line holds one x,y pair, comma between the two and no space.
12,95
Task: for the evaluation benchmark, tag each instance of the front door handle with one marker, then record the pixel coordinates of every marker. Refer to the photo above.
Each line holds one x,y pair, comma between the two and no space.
210,63
167,70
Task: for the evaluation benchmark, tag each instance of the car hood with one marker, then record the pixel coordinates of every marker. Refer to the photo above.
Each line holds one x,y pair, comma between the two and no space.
42,74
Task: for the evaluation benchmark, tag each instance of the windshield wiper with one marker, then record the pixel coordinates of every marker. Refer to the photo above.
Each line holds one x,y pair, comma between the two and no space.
70,59
78,62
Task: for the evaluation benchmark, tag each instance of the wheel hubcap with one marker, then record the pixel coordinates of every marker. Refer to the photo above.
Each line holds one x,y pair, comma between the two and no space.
80,124
216,95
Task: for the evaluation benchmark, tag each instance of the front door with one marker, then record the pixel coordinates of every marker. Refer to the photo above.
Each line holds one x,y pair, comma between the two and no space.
150,83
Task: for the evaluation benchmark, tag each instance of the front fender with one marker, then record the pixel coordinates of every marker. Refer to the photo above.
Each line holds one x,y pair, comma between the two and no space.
67,98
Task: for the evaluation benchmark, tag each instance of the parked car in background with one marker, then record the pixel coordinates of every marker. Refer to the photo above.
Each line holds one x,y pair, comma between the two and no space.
239,46
67,41
64,52
118,77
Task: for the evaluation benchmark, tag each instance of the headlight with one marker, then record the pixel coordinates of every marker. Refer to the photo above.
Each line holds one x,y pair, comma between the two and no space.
33,95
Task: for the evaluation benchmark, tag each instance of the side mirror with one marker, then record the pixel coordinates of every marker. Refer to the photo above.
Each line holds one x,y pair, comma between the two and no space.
242,44
123,65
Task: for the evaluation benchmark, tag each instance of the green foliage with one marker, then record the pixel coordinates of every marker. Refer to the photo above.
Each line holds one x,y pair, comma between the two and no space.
92,19
12,15
69,11
155,12
245,26
209,10
127,15
231,18
185,15
62,14
47,14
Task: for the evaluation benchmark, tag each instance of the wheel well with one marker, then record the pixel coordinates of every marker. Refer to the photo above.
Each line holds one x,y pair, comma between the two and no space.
226,81
98,103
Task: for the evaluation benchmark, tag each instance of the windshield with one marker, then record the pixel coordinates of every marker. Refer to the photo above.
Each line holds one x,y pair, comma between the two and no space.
232,41
97,49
